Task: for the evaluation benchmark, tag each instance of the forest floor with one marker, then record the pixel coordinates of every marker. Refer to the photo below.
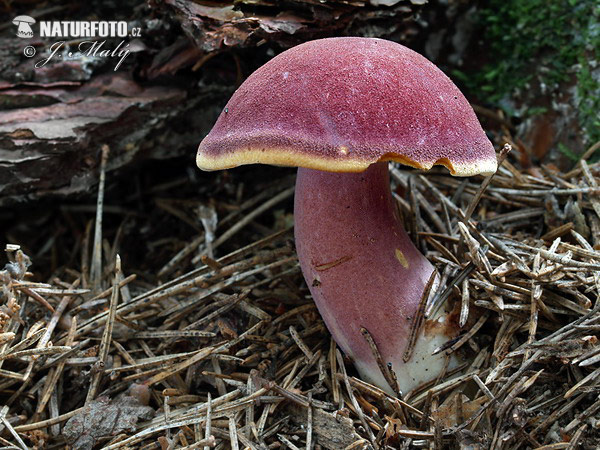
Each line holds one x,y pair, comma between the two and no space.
172,313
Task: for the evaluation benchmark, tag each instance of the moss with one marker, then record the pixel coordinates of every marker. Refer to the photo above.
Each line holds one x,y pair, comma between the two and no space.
552,40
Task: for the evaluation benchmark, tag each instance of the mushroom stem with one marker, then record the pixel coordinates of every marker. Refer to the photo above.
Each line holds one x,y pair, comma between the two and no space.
363,271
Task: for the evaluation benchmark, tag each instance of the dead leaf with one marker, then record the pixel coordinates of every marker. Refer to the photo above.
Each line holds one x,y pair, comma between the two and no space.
104,418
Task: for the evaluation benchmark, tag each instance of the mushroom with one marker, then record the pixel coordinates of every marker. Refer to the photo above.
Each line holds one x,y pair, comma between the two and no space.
24,23
340,109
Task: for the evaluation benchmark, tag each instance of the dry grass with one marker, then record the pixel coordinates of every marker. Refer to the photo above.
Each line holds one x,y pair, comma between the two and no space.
233,354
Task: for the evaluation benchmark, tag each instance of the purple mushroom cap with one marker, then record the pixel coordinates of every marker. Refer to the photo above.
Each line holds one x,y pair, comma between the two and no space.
341,104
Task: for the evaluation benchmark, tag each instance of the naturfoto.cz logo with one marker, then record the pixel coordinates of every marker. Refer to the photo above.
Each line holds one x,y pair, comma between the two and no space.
90,36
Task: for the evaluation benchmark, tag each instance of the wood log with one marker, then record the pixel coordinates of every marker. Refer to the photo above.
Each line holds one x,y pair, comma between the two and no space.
161,98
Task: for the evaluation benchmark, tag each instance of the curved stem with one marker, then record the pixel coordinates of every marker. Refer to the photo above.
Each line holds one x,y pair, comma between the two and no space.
363,271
